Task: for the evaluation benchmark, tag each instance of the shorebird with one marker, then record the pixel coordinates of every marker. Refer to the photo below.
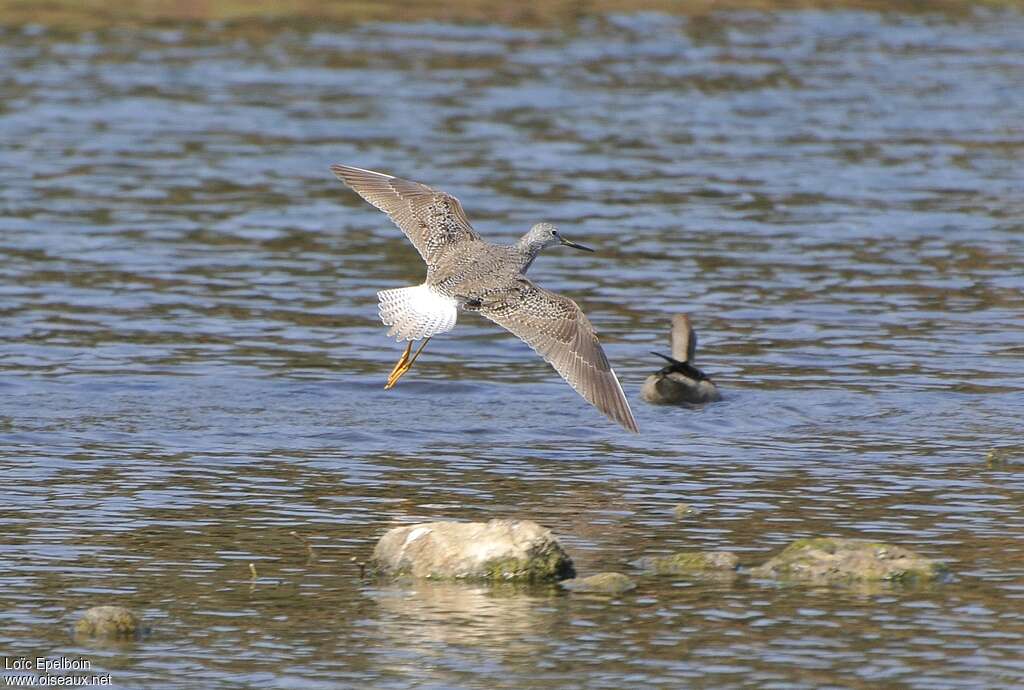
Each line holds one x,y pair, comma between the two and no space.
466,273
680,382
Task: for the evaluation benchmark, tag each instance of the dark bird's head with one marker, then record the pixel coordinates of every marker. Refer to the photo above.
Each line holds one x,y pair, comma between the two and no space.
544,235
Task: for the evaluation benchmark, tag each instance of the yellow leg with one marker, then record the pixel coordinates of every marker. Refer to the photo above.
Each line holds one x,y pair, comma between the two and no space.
404,364
398,365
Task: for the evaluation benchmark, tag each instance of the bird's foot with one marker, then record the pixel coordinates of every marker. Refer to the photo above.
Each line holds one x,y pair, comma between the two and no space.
404,364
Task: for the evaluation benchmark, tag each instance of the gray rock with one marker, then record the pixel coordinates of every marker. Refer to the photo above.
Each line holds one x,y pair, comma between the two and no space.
109,623
499,550
690,563
602,583
829,560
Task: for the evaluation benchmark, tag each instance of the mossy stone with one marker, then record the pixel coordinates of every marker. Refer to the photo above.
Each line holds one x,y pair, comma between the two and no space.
496,551
109,622
601,583
690,563
831,560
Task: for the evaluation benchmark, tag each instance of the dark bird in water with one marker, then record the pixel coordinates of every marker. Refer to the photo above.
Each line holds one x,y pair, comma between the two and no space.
680,382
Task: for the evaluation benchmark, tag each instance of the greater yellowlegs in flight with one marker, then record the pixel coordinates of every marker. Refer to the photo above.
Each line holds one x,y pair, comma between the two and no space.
466,273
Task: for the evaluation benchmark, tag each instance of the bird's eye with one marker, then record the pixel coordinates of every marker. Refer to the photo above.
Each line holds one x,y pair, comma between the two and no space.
554,233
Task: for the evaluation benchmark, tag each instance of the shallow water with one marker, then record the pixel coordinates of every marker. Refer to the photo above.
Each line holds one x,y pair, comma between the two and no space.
191,366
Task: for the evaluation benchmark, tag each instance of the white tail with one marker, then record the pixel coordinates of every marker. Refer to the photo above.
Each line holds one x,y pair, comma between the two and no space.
416,312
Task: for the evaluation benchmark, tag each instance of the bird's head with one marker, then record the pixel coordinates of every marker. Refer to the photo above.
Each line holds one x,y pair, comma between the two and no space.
544,235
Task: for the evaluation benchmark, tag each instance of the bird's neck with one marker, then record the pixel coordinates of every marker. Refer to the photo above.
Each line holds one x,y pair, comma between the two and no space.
528,251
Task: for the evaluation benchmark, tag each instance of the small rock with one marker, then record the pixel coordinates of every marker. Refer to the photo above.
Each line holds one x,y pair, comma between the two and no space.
828,560
499,550
602,583
690,563
109,622
683,511
999,458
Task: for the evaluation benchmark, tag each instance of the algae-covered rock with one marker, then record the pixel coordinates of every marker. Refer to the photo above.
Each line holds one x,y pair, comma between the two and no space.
829,560
109,623
602,583
690,563
499,550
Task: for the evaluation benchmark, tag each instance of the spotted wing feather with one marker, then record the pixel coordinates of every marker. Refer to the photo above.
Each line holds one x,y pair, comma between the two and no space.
558,330
432,220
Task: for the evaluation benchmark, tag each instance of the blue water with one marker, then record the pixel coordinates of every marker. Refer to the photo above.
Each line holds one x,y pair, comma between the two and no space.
191,367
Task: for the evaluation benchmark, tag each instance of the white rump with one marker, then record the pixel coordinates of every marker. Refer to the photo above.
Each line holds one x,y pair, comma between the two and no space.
416,312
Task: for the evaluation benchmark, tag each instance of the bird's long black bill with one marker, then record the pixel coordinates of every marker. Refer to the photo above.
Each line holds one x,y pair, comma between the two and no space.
670,360
569,243
682,367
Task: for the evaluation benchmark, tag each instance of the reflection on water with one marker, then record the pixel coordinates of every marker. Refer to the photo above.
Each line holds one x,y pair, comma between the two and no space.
191,366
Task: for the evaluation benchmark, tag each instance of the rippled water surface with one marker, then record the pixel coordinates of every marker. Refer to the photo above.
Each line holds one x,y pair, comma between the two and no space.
191,366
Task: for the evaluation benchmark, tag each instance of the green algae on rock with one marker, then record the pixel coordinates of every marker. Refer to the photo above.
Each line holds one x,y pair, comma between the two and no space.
832,560
601,583
690,563
497,551
109,623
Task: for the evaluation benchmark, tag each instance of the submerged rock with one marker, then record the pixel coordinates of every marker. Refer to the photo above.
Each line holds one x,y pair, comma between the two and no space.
499,550
602,583
690,563
999,458
830,560
110,623
684,511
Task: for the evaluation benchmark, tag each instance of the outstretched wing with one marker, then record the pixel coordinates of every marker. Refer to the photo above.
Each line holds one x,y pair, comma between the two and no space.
432,220
558,330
